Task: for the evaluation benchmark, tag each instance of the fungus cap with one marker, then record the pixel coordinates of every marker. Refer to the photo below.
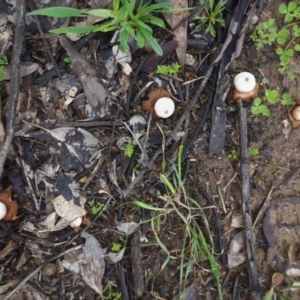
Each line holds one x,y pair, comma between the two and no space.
164,107
244,82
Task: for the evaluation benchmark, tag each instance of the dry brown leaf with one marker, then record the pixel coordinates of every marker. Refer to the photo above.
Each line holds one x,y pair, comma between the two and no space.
236,253
181,32
93,266
67,209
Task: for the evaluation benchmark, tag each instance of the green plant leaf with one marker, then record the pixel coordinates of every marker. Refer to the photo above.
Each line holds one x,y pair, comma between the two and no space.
129,149
283,8
286,99
264,111
269,294
254,110
106,26
271,95
257,101
151,8
57,12
141,25
279,51
153,20
102,13
283,59
292,6
289,52
123,40
116,247
155,46
140,41
281,40
116,5
283,32
288,18
297,47
74,29
128,27
270,22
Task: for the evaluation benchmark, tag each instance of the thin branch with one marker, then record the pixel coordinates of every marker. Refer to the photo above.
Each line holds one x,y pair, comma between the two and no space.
245,178
14,83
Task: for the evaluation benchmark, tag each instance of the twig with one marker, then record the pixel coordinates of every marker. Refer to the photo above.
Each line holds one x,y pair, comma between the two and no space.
265,206
40,268
245,176
14,83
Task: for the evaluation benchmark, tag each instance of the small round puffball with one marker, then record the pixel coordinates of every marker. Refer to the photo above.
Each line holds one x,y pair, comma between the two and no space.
3,210
296,113
76,223
244,82
164,107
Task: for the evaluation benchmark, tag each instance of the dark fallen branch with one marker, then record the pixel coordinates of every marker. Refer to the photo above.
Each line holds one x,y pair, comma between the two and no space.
14,83
245,178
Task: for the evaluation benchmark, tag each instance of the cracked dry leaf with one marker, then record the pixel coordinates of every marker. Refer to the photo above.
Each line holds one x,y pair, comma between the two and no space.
181,32
68,210
93,264
236,253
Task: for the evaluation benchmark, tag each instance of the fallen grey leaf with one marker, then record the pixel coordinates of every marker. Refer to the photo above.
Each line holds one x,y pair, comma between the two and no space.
93,265
128,228
113,257
236,253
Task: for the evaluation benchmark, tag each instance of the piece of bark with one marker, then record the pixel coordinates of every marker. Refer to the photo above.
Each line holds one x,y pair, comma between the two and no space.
245,178
96,92
217,134
14,84
137,278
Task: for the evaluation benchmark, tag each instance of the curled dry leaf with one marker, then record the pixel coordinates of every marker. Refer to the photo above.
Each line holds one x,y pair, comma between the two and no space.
236,254
181,32
67,209
93,265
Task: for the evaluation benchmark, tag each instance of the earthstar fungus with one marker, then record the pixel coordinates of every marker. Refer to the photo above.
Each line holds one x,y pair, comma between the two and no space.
8,208
245,87
159,103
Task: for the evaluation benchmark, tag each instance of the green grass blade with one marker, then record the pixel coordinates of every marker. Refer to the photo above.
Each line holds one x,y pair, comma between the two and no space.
57,12
102,13
166,181
74,29
152,8
153,20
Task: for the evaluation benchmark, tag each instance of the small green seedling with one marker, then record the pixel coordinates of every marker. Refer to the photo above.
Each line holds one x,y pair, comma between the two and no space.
95,207
258,108
211,16
235,154
284,39
130,18
271,96
3,63
253,151
129,149
286,99
265,34
168,69
116,247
